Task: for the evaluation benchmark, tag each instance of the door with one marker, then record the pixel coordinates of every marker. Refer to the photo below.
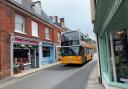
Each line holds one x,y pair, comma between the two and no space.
33,58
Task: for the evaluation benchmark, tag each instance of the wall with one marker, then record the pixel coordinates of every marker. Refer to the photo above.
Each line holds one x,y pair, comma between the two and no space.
7,15
6,26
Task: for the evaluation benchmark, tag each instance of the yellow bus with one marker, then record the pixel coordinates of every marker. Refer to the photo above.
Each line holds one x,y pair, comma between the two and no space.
76,48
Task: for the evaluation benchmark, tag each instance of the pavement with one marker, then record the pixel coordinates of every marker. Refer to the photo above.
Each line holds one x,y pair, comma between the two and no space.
55,76
11,79
93,82
30,71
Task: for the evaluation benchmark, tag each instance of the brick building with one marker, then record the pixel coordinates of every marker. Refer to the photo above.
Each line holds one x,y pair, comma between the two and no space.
28,37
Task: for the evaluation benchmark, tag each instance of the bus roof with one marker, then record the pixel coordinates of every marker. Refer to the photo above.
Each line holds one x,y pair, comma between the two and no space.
70,31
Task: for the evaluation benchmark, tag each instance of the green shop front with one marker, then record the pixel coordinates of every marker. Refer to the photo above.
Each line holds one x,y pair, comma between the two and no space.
48,51
112,38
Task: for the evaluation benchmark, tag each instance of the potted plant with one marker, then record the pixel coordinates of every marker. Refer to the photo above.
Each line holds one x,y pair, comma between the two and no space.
15,68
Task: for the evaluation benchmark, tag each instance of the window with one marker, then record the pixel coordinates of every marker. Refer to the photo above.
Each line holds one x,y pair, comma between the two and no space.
70,38
34,29
19,1
72,51
88,50
19,23
120,55
59,36
47,33
21,56
46,51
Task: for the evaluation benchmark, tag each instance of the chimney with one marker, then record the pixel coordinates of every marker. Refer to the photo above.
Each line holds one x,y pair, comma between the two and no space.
37,7
62,22
54,19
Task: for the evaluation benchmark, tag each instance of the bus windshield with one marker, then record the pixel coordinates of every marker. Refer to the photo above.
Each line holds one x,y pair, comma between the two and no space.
70,38
71,51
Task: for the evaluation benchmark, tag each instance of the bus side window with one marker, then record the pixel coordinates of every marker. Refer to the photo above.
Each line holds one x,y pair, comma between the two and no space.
81,51
88,50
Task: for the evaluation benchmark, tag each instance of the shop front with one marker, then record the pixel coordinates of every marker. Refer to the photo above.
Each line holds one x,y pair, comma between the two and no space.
25,54
48,51
114,58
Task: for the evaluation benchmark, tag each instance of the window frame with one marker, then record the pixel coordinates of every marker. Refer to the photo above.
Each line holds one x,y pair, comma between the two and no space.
47,33
17,17
34,25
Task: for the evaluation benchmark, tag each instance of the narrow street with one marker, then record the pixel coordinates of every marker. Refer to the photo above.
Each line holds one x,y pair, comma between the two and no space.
57,77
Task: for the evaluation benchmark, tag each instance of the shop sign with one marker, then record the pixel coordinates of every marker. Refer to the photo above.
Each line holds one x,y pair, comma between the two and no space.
24,41
47,44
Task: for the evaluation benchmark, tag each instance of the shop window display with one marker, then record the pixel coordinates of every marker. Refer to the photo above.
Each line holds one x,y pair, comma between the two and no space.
120,46
46,51
25,57
21,56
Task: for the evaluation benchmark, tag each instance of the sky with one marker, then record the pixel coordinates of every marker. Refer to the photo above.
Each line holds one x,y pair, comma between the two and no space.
76,13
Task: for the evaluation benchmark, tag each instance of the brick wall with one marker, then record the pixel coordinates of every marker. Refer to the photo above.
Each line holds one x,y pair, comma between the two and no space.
7,26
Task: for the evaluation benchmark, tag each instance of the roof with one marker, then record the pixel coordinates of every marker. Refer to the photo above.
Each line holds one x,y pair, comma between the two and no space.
27,6
67,29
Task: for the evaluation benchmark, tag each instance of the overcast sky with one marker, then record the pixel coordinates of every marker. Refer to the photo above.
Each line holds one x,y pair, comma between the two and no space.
76,13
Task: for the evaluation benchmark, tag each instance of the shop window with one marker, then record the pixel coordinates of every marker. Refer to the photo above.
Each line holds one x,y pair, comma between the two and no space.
21,56
47,33
34,29
22,53
46,51
120,49
19,23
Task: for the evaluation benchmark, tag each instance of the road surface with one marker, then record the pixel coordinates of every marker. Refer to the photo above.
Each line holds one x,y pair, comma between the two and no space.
56,77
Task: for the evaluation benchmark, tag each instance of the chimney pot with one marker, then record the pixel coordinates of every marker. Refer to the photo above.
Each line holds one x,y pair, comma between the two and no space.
54,19
37,7
62,22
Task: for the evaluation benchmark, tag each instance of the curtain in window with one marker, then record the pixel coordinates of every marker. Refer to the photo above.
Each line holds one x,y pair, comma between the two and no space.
47,33
34,29
19,23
